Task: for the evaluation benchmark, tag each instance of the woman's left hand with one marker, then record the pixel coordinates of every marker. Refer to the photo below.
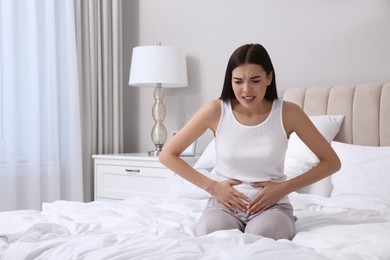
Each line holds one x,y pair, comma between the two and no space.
271,193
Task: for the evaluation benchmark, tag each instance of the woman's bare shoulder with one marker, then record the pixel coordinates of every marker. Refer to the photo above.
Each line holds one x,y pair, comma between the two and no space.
293,117
292,111
211,109
289,106
212,103
209,113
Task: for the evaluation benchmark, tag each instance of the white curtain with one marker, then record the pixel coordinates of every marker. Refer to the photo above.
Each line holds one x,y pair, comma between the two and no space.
40,133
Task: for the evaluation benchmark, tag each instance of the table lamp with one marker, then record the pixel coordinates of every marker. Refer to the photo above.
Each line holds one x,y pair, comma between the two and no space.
158,66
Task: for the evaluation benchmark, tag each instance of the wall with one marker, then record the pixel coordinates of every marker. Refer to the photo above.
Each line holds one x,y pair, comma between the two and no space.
311,42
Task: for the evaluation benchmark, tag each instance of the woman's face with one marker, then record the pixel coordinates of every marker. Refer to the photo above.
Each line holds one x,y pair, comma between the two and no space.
250,82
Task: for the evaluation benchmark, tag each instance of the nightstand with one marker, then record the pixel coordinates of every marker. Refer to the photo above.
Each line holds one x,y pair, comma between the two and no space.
120,176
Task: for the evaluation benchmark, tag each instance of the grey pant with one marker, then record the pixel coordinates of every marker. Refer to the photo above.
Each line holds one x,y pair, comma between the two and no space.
277,222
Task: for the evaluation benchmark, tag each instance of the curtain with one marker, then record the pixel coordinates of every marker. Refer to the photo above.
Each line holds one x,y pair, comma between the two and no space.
40,131
99,47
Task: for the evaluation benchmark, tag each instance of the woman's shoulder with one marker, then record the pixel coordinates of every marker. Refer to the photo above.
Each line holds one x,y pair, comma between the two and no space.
293,117
290,108
209,114
212,106
210,110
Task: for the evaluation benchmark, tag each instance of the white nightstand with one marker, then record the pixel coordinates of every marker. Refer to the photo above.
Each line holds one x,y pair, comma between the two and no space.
120,176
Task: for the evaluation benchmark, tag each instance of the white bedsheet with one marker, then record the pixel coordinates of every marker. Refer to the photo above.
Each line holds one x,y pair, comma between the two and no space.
162,228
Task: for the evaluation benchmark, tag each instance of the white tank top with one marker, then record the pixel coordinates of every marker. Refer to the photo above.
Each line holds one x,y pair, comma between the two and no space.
251,153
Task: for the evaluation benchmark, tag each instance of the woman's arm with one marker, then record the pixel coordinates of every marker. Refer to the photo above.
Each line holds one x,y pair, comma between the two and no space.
295,120
206,118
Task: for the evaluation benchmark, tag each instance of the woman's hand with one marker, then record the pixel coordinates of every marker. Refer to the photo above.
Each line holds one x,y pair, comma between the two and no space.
271,193
224,192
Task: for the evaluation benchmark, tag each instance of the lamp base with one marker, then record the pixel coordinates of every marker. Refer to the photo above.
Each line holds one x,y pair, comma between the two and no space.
157,151
159,132
154,153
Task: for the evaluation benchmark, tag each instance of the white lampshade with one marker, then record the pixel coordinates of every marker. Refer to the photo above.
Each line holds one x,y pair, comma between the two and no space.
158,64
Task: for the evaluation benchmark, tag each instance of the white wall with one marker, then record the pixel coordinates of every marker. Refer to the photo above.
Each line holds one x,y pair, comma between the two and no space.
311,42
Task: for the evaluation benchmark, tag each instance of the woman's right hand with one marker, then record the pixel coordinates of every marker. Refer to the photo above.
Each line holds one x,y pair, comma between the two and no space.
226,194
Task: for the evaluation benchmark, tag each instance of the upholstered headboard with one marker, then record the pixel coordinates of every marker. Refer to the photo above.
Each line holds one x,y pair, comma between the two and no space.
366,108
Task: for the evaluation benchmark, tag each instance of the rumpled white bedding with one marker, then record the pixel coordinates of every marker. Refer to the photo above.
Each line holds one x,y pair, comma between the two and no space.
162,228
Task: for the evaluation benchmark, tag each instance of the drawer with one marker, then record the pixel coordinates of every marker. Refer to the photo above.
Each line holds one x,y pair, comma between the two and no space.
122,182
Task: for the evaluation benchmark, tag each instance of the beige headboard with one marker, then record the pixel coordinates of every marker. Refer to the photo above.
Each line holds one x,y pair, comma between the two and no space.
366,108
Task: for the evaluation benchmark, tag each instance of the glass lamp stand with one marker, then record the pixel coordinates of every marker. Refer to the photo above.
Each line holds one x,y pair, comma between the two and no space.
159,132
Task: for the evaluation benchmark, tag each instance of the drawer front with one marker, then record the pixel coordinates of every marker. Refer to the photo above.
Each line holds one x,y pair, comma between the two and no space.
122,182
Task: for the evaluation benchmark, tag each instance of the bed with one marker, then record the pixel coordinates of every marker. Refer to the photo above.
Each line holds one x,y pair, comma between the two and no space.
345,216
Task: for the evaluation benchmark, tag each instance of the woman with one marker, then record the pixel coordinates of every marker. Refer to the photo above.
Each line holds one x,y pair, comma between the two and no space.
251,126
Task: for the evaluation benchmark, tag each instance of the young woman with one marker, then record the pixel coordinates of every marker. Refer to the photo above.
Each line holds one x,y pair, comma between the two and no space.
251,126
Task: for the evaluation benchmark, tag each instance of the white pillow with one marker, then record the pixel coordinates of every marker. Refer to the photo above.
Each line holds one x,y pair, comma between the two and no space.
207,160
183,188
364,177
299,158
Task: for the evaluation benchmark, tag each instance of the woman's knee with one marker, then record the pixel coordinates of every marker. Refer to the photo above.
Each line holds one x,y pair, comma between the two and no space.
214,220
272,224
